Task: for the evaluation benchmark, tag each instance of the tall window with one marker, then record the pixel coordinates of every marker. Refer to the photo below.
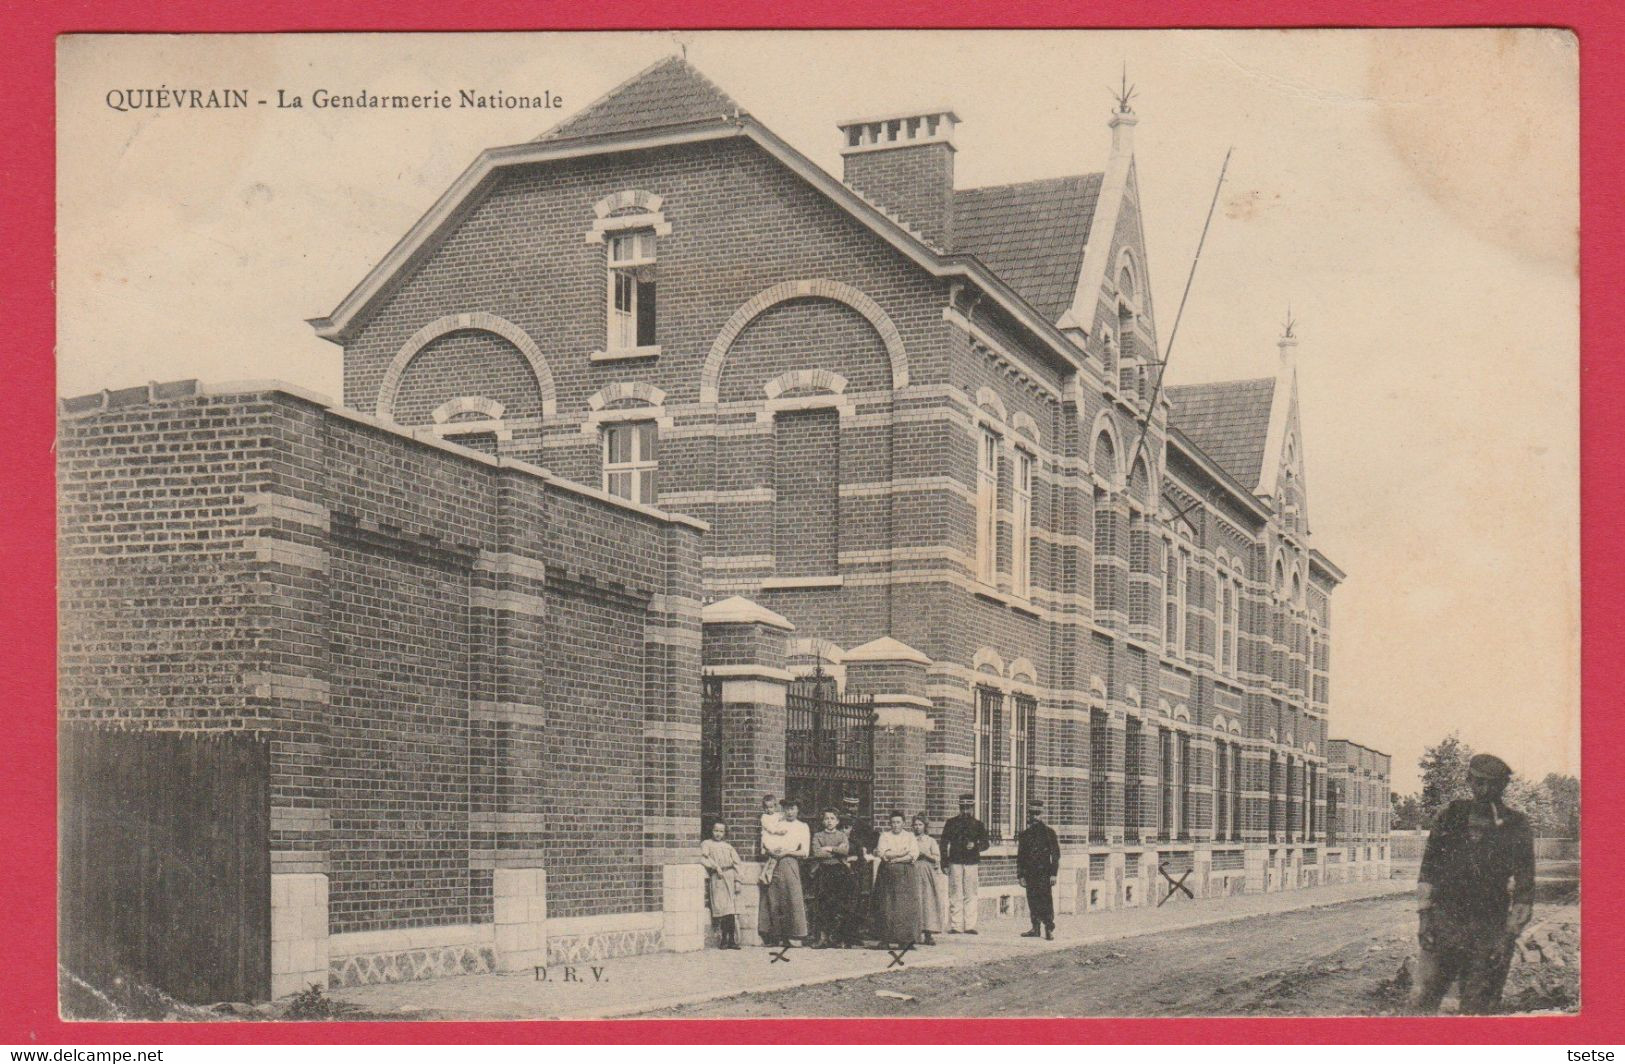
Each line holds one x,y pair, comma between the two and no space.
1226,625
1186,813
632,289
987,506
1233,608
1292,799
1309,803
1127,302
1131,781
1165,775
631,460
1021,536
991,785
1100,763
1235,790
1275,798
1221,790
1192,638
1025,711
1178,588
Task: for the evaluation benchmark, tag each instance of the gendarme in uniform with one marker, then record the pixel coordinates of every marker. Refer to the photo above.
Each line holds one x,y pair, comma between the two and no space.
1475,893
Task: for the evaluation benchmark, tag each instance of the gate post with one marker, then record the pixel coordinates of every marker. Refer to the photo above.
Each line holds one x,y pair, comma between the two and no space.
894,673
744,647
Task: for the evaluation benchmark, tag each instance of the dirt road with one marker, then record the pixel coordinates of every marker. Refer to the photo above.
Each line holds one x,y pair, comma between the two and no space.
1339,960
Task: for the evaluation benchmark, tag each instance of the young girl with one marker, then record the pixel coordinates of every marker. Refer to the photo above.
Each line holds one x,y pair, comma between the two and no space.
721,863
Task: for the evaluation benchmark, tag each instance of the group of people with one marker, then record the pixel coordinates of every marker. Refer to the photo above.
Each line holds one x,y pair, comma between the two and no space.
847,884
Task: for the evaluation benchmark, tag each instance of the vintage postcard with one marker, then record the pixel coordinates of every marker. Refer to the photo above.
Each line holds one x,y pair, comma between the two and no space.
774,524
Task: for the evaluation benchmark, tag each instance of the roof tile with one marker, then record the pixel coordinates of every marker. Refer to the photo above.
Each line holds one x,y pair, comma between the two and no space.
667,94
1031,234
1228,420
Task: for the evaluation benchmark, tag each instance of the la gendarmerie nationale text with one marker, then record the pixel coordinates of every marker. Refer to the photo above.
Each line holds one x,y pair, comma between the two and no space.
165,98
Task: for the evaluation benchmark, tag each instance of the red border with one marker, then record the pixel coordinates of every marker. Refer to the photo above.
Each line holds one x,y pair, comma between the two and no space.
27,984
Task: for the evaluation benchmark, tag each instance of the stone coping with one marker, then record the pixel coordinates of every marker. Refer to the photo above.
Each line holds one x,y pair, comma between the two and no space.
425,436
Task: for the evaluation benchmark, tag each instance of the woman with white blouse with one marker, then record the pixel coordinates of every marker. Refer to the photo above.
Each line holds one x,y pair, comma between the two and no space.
897,896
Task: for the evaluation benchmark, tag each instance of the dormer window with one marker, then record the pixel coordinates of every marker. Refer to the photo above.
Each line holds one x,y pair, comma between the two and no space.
632,289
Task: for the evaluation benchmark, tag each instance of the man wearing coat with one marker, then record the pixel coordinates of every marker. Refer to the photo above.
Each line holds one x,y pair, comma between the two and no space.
1038,862
1475,893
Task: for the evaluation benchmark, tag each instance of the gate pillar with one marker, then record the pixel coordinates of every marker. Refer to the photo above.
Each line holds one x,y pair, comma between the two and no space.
744,651
894,673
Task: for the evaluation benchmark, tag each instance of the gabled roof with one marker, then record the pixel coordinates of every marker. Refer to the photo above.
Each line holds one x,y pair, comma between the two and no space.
670,93
1229,421
1031,234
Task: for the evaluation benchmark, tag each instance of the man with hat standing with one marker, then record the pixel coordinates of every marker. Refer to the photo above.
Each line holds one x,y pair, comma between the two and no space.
1038,862
861,841
1475,893
964,839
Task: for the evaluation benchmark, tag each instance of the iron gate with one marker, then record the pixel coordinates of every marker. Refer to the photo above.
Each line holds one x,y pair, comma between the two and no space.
710,755
829,746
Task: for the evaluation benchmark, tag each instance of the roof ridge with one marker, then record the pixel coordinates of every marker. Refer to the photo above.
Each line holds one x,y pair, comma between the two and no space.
1215,384
1032,181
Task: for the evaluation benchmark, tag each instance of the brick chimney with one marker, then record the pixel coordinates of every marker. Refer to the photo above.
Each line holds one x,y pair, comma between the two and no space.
905,164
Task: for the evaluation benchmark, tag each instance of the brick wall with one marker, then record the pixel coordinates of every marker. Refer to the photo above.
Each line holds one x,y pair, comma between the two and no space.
461,664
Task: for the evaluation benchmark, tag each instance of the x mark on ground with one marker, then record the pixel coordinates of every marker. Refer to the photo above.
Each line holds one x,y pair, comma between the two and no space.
1174,885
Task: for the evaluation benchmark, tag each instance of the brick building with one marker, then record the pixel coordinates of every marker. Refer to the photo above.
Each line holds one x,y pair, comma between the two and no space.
911,415
1359,808
918,438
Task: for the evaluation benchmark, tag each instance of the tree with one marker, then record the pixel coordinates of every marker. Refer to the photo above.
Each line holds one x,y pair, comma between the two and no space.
1444,775
1407,812
1563,798
1530,799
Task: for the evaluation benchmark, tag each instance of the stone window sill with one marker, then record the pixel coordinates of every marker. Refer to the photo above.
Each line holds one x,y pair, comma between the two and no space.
621,354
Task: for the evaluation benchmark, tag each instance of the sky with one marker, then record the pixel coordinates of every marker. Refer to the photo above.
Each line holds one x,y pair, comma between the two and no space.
1411,195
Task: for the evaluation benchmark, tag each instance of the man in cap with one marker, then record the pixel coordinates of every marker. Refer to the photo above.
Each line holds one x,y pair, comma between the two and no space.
964,838
1038,861
861,841
1475,893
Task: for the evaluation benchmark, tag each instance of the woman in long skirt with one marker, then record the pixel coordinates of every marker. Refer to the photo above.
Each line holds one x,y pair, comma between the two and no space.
897,898
721,863
928,881
784,904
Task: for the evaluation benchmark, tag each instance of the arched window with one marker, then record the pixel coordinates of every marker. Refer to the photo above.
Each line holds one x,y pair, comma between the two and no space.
1131,375
1104,458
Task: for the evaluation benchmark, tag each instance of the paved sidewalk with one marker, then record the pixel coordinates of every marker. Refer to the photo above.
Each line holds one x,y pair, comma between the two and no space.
626,986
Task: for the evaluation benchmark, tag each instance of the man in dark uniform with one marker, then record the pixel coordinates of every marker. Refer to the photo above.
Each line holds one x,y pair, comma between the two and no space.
861,839
1038,861
964,838
1474,894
